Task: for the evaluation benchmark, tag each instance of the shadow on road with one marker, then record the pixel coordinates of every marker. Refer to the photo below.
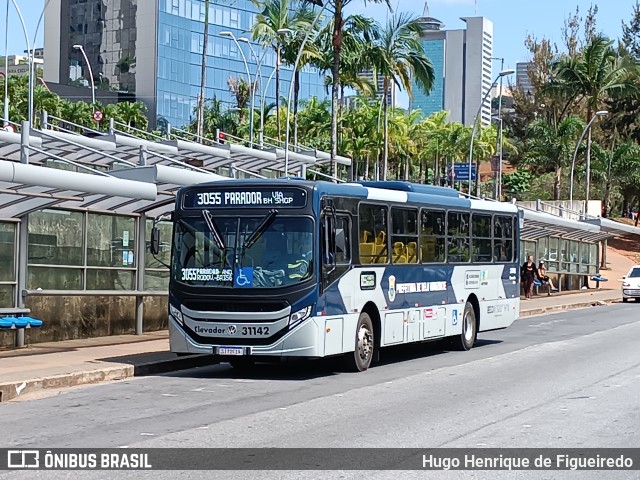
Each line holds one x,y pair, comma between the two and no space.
297,369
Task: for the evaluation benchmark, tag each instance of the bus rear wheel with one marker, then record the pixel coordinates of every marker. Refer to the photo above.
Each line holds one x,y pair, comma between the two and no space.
360,359
469,329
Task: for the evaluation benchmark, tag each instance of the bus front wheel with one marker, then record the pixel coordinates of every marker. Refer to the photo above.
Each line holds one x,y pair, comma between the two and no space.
360,359
469,329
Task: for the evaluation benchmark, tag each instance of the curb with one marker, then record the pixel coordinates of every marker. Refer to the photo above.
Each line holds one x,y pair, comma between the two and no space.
561,308
11,390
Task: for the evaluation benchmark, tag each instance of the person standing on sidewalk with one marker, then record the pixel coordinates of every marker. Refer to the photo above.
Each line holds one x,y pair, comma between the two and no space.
528,276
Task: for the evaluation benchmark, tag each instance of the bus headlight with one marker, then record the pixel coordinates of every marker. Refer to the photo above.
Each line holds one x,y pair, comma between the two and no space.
299,316
177,314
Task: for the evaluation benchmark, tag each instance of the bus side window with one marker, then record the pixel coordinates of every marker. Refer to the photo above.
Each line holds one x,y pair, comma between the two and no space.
458,237
503,239
343,240
481,238
373,234
432,236
404,237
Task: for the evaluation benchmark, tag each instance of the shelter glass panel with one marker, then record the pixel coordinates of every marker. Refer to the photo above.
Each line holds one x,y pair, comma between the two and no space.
110,279
54,278
56,238
7,252
156,279
166,229
6,296
553,254
111,241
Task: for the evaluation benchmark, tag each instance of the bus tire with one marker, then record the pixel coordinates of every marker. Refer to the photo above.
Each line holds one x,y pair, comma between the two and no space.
469,329
360,359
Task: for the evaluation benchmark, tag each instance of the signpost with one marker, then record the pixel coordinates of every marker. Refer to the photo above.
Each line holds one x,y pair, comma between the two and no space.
461,172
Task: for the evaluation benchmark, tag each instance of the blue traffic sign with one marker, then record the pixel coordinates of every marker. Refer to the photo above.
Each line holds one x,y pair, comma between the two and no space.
461,172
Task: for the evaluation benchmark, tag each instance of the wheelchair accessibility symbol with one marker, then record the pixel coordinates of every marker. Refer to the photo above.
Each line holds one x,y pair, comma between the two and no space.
243,277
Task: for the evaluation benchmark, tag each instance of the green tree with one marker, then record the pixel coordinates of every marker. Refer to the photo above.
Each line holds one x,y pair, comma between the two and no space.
550,147
275,19
337,44
597,74
398,56
631,33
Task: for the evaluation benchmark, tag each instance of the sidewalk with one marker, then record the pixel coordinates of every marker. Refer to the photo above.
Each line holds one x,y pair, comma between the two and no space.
78,362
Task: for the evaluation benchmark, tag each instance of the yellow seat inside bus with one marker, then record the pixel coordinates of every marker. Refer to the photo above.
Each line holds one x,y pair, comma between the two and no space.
399,253
373,250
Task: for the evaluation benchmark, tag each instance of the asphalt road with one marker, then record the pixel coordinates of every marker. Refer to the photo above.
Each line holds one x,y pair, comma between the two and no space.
563,380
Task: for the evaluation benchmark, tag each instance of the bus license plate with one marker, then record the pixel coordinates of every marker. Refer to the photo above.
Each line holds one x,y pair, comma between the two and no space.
230,351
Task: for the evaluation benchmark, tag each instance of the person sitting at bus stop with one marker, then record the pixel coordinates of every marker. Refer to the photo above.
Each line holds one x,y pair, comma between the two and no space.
543,277
528,276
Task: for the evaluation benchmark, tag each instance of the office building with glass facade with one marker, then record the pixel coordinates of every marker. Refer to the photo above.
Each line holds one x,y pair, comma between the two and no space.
462,65
153,48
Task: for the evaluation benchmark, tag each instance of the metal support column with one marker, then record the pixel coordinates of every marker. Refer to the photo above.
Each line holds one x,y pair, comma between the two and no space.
142,160
140,251
24,142
23,245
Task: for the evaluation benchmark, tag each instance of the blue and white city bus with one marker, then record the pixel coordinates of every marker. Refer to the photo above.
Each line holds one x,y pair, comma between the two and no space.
296,268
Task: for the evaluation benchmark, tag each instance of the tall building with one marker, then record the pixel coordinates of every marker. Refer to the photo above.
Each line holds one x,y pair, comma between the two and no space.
522,77
463,68
153,48
391,94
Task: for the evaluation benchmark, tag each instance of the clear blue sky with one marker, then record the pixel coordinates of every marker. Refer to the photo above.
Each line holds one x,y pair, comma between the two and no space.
512,19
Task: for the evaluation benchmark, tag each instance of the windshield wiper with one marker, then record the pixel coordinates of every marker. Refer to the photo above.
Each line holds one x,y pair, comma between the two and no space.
208,219
260,229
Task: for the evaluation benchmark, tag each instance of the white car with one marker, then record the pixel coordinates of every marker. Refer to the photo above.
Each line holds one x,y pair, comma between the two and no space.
631,284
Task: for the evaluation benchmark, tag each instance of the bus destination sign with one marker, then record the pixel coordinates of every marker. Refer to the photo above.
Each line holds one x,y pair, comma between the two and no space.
246,197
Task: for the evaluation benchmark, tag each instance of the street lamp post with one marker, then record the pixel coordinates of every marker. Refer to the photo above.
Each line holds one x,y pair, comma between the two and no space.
93,87
264,98
497,188
293,73
600,113
255,83
246,66
502,74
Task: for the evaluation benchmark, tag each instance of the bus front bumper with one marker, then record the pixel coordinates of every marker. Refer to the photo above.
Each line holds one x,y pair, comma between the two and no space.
302,341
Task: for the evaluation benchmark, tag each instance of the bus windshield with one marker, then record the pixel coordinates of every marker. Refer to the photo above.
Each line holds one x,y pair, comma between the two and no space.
243,252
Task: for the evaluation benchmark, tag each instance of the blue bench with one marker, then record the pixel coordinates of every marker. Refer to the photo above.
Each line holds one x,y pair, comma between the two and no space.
598,279
14,323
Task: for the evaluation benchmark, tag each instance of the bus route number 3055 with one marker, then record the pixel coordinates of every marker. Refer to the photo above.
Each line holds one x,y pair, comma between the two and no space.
255,331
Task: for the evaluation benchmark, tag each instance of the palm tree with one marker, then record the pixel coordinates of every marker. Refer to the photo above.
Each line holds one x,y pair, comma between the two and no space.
594,76
399,57
241,91
132,114
337,43
550,147
277,17
290,53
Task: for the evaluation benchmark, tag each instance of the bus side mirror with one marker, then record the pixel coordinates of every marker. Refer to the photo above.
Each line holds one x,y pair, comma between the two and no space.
155,241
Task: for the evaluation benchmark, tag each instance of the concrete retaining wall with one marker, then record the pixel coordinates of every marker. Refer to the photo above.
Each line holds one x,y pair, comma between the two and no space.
72,317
